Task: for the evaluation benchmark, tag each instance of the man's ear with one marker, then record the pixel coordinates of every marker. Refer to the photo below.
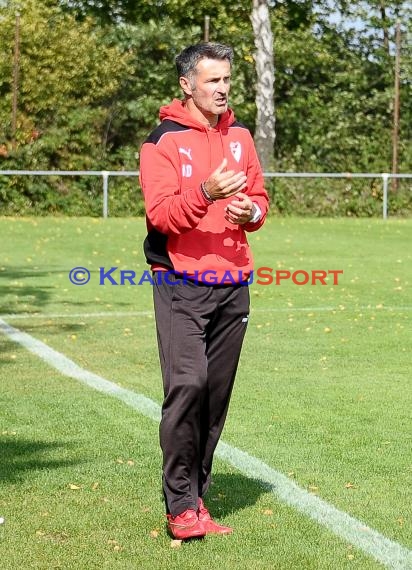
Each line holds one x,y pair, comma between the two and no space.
185,85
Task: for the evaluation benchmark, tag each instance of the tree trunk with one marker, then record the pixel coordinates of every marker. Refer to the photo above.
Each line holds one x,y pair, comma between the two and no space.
265,70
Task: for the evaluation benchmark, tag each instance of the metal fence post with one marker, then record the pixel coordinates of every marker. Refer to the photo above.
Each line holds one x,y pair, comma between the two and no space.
105,175
385,178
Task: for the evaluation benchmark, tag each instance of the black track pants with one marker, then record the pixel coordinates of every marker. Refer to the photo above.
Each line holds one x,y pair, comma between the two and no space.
200,331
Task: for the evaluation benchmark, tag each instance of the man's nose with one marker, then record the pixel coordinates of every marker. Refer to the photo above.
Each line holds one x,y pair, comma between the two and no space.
223,86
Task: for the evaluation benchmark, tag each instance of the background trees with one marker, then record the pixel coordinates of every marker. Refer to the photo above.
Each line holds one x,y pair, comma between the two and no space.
92,76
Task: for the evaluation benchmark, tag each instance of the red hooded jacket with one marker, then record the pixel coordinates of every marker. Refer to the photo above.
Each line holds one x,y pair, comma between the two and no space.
186,232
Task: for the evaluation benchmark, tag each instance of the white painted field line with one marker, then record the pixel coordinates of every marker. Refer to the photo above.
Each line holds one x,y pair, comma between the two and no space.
149,313
97,315
385,551
67,367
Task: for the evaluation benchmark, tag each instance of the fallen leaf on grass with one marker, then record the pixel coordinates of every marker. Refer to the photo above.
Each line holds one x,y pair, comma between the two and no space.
95,485
313,488
74,487
154,533
130,462
267,512
56,537
116,546
350,486
175,544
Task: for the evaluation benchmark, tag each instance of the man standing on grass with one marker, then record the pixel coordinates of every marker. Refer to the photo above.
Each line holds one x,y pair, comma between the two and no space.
203,190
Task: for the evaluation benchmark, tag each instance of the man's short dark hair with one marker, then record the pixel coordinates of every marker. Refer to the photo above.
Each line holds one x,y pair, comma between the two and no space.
187,60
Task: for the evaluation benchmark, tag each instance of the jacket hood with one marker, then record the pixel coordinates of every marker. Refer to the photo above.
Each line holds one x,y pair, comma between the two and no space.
176,111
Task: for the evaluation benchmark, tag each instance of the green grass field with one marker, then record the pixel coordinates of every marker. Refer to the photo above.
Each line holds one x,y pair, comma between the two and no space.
323,395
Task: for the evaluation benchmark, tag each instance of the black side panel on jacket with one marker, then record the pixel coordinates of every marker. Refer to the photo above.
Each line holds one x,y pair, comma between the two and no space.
237,124
155,250
165,126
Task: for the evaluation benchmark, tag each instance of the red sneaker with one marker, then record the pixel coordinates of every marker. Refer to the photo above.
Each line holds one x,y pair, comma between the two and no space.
210,526
186,525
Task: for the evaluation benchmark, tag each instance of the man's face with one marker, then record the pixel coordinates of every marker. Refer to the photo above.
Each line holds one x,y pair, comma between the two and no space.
209,87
